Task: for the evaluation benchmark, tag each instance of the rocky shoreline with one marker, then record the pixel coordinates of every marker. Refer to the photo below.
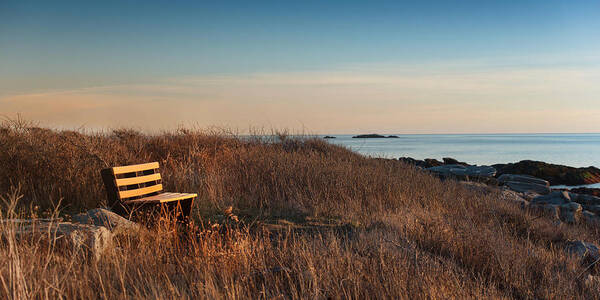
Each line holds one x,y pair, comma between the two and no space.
516,182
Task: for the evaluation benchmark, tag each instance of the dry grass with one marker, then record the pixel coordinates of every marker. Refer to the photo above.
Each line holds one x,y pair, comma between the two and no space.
401,233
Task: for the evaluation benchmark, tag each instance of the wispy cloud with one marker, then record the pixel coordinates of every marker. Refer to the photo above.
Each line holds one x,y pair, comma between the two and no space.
402,98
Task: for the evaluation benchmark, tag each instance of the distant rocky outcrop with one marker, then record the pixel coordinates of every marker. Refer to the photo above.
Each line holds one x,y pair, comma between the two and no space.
329,137
374,136
555,174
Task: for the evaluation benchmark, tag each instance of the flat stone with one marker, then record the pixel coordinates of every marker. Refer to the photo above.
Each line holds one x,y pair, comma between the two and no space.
591,218
523,179
556,197
89,238
106,218
462,170
585,199
524,187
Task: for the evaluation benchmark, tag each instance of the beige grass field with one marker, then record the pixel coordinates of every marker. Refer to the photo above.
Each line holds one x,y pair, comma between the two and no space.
317,221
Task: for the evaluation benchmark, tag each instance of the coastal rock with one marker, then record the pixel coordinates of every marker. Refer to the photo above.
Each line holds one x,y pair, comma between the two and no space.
106,218
593,208
585,199
461,170
587,251
591,218
452,161
571,212
522,178
524,184
512,196
554,198
91,239
527,187
555,174
586,191
329,137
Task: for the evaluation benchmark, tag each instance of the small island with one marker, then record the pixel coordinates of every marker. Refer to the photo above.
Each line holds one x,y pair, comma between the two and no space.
329,137
374,136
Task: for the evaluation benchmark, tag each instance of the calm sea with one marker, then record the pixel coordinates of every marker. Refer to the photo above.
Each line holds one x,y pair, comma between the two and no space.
577,150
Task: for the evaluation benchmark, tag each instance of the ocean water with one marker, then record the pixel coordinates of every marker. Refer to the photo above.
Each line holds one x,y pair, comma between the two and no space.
577,150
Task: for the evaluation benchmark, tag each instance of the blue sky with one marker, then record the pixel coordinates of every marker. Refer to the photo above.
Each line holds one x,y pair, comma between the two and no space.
66,49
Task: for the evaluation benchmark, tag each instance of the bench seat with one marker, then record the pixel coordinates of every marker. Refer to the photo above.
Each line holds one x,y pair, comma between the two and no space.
161,198
131,188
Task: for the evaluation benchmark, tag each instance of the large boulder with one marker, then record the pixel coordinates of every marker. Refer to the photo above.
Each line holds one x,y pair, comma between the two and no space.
91,239
525,184
106,218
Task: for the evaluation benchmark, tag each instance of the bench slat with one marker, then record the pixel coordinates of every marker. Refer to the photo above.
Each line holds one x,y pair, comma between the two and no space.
137,180
162,198
141,191
135,168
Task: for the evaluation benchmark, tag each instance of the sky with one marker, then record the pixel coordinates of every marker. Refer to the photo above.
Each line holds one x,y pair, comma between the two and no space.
312,66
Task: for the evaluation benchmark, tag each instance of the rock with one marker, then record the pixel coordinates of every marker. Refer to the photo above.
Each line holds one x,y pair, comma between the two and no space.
432,162
452,161
554,198
106,218
555,174
92,239
550,210
591,218
586,251
461,170
586,191
527,187
593,208
373,136
585,199
570,212
329,137
523,179
524,184
512,196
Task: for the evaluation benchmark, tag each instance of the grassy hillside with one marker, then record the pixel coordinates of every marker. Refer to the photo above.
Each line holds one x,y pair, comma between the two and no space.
378,228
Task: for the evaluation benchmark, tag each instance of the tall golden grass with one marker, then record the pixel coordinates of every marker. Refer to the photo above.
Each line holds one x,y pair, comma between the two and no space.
402,233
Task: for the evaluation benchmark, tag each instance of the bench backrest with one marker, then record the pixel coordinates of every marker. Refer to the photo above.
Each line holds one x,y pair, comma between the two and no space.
131,182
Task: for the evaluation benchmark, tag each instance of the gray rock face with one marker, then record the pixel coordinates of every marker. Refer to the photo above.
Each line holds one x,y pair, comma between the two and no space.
106,218
591,218
556,198
527,187
461,170
585,199
571,212
92,239
583,250
509,195
522,179
525,184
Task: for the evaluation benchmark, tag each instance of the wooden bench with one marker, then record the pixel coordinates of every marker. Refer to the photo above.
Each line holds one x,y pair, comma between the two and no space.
133,187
